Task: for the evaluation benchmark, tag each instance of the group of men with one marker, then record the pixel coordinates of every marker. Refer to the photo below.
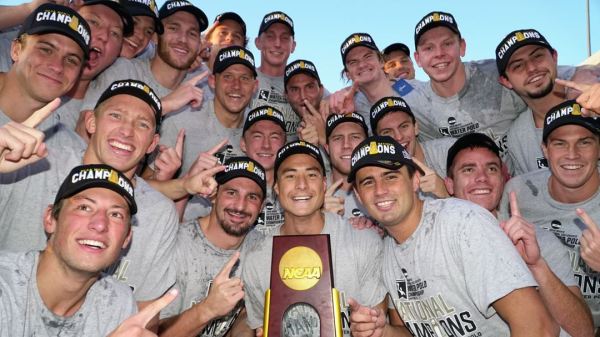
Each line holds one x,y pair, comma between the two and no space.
147,161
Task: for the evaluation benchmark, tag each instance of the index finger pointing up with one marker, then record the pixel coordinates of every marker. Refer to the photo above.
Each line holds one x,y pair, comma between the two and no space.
40,115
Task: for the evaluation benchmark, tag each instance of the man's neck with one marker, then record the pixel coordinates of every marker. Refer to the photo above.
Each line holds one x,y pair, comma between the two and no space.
568,195
540,106
271,70
166,75
377,89
216,235
62,289
337,175
419,153
14,101
453,85
303,225
79,89
227,118
403,230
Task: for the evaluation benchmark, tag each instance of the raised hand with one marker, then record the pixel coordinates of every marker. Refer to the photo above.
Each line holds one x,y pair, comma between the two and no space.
332,203
430,182
590,241
20,143
169,159
203,183
206,160
342,101
522,233
186,93
588,97
365,321
135,326
225,291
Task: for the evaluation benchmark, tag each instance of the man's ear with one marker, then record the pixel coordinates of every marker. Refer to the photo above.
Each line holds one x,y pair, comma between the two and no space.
503,80
89,118
16,47
211,81
416,181
154,143
243,145
463,47
49,221
449,182
128,238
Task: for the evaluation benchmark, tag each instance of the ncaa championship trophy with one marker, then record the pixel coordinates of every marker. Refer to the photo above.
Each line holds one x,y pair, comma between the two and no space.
301,300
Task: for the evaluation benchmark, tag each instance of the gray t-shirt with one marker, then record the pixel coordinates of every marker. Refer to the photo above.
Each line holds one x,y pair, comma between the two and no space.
145,265
202,131
23,312
356,258
436,153
524,146
538,207
271,91
271,217
69,110
198,261
445,278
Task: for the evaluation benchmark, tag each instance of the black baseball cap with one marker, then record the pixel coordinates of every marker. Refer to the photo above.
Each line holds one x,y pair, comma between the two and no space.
231,55
357,40
381,151
298,147
515,40
172,6
117,6
265,112
471,141
51,18
276,17
84,177
386,105
568,112
137,89
300,66
145,8
432,20
236,167
229,16
396,47
336,119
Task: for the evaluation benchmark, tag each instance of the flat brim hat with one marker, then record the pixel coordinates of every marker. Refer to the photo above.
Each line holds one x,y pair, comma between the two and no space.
380,151
50,18
300,66
298,147
229,16
386,105
231,55
118,7
471,141
98,175
264,113
237,167
396,47
335,119
515,40
568,112
357,40
432,20
276,17
173,6
137,89
145,8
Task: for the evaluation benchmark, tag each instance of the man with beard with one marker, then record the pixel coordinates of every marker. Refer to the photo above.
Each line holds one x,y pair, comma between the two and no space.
527,64
551,199
300,186
276,42
476,173
177,49
234,81
207,252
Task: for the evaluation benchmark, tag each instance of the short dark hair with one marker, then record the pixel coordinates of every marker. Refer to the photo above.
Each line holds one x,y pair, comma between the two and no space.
471,141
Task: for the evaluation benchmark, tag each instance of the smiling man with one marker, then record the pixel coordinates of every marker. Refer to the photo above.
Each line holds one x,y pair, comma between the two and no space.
48,58
145,23
276,42
300,186
426,253
549,198
207,250
61,291
177,49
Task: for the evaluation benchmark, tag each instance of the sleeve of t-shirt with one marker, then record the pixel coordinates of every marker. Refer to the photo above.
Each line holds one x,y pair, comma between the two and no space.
489,261
369,259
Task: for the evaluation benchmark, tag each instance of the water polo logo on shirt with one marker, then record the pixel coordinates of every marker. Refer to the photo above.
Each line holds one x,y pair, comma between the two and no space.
401,289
